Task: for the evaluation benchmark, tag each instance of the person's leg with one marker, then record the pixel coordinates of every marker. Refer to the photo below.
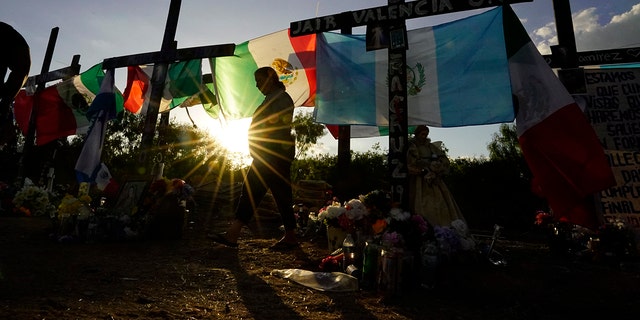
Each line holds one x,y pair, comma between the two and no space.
280,185
253,190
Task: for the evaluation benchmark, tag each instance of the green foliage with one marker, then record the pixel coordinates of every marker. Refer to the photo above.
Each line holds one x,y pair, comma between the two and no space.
494,190
368,171
498,189
318,167
185,150
505,145
306,131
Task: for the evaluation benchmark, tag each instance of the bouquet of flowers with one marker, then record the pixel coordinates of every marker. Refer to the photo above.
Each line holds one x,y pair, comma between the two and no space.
329,214
73,217
70,206
378,205
348,217
404,229
33,200
183,191
543,219
614,239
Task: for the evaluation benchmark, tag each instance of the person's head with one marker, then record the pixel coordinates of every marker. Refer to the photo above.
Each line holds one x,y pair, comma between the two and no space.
267,80
421,131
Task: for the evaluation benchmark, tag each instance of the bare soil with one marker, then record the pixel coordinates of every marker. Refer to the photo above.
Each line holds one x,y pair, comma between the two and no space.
191,278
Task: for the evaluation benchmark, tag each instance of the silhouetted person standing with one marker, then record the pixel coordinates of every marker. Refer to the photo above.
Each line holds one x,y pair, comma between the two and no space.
15,58
272,148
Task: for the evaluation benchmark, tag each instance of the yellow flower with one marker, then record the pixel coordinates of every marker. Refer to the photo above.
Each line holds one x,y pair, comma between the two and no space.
86,199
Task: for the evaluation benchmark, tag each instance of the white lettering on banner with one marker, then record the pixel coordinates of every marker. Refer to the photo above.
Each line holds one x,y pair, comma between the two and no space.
630,88
607,90
621,192
631,220
630,175
401,11
613,109
623,128
405,10
618,159
626,142
625,206
322,23
609,76
611,116
610,57
596,102
397,169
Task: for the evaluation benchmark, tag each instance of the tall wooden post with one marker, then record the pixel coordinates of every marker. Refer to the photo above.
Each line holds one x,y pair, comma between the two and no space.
566,48
157,81
161,61
398,124
31,130
395,13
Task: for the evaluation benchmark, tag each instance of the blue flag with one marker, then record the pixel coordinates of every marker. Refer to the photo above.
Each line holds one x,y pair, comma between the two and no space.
455,76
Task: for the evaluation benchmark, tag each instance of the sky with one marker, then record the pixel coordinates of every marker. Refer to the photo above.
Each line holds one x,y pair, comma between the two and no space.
97,30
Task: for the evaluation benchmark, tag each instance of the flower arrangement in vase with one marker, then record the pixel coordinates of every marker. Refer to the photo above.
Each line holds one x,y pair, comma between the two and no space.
32,200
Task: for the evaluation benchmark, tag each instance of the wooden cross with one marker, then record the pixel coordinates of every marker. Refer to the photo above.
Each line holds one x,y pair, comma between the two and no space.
161,60
40,82
394,15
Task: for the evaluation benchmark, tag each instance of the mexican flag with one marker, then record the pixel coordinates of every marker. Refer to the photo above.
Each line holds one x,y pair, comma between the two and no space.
293,58
61,109
563,152
183,81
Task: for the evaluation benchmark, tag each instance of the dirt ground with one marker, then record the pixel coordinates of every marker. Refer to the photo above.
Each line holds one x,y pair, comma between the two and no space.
191,278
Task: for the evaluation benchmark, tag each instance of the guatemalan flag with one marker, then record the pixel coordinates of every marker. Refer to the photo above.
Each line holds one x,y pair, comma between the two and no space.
457,75
293,58
103,108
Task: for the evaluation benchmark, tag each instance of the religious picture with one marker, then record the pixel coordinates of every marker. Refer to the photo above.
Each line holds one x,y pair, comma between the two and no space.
130,195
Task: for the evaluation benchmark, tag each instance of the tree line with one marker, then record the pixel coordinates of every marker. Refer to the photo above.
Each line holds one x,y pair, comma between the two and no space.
493,190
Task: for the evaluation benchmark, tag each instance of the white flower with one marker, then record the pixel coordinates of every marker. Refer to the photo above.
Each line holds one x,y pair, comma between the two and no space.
619,224
399,215
332,211
460,227
335,211
33,198
357,210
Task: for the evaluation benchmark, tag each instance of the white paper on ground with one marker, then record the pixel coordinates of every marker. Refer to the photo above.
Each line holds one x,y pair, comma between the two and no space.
322,281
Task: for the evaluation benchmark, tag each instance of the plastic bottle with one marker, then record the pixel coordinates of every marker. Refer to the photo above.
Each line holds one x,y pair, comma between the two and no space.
349,250
370,264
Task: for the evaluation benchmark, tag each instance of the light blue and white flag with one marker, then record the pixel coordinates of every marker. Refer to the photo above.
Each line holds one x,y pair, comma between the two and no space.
457,75
102,109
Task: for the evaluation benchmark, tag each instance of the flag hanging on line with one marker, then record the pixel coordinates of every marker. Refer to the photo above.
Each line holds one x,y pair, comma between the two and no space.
103,108
62,108
183,81
560,146
293,58
454,77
